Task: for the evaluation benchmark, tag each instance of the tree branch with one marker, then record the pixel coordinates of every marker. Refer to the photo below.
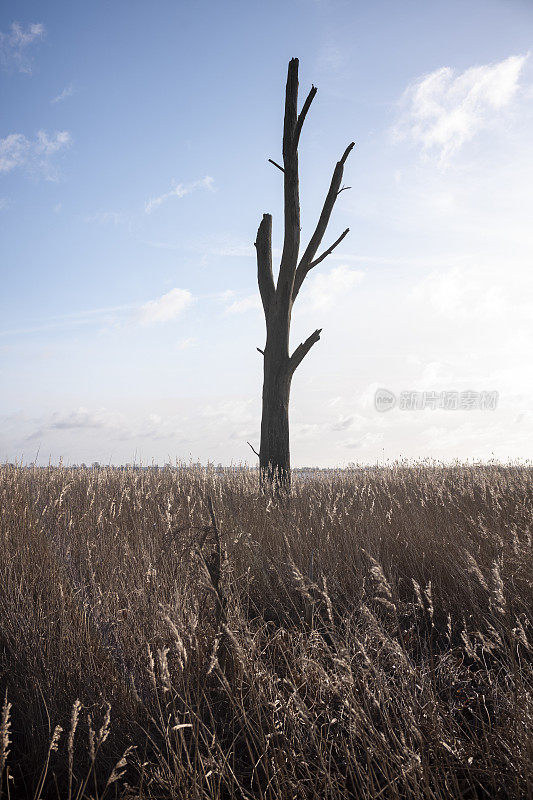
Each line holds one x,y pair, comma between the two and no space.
276,165
347,153
263,246
291,241
302,350
305,263
303,113
253,448
326,253
260,351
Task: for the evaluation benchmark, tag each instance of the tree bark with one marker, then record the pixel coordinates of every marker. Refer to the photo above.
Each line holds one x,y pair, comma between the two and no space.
274,453
278,299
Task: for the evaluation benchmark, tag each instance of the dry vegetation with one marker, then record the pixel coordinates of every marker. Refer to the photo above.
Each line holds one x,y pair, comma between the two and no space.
370,637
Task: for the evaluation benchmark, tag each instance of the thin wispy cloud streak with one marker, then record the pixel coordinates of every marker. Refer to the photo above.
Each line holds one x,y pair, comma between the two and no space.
180,190
67,92
165,308
67,320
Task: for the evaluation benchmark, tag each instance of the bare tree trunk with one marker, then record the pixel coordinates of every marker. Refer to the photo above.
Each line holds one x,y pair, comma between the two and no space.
277,299
274,455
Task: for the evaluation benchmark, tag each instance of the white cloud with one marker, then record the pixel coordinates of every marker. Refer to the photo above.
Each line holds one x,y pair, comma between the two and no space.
342,423
461,293
82,419
167,307
325,289
443,110
4,203
33,156
47,146
14,45
107,423
13,151
249,303
78,419
67,92
180,190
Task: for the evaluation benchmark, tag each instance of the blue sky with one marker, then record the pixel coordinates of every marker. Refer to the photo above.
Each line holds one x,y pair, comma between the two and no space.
134,142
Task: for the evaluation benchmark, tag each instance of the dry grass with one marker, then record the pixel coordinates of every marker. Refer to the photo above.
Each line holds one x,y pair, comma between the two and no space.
368,638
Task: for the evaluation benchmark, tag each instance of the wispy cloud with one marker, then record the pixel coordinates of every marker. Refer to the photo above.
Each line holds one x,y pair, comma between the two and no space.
463,293
4,203
112,424
14,46
16,151
88,317
80,420
234,419
162,309
167,307
342,423
322,291
67,92
180,190
249,303
76,420
326,288
443,110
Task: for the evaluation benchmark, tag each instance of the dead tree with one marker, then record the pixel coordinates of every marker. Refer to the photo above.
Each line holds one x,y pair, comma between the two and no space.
278,298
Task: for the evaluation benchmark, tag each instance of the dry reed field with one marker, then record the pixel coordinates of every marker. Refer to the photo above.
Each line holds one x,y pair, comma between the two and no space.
174,633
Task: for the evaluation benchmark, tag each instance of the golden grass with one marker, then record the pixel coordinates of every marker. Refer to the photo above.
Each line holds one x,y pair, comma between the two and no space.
175,633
